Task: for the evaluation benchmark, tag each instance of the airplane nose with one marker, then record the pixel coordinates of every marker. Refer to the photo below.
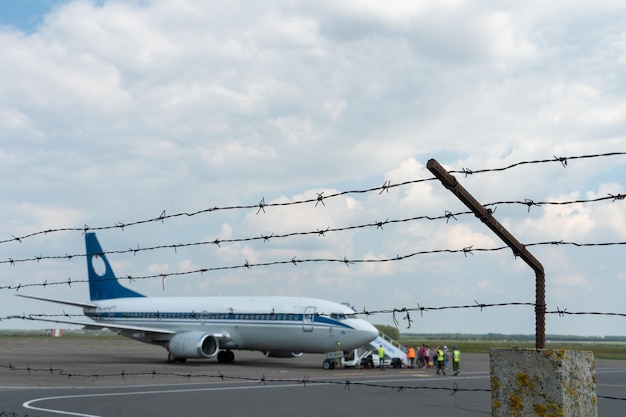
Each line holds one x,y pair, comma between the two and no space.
373,331
369,331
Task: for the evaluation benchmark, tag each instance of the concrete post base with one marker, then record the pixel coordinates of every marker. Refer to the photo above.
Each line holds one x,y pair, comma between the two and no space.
543,383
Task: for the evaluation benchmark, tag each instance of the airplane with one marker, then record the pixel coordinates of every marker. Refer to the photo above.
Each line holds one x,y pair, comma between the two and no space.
205,327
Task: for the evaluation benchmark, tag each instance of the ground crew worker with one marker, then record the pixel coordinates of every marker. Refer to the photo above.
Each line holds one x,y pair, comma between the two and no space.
456,360
410,355
440,361
381,357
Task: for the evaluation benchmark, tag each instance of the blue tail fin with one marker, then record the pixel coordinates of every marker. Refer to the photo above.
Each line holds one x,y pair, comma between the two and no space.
103,286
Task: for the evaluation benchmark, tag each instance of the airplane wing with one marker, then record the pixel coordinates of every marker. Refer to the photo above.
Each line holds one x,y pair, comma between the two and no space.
111,326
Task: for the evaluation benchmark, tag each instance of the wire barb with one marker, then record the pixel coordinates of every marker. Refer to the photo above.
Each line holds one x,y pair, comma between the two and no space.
385,187
530,203
562,160
261,206
480,305
448,215
320,199
379,225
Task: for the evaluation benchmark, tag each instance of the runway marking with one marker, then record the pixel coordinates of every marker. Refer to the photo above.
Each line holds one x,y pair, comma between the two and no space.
610,371
28,404
185,388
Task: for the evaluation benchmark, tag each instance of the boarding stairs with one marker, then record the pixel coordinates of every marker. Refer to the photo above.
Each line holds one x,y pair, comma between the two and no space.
394,351
367,356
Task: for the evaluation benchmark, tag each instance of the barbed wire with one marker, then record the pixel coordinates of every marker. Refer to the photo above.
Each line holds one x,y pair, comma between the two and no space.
319,232
217,242
405,312
263,380
469,250
319,199
346,383
561,159
364,312
531,203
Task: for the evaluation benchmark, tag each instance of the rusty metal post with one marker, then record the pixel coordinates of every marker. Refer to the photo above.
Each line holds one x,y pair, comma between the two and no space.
485,215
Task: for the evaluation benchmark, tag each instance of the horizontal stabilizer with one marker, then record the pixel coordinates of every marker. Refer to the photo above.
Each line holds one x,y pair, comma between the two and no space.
52,300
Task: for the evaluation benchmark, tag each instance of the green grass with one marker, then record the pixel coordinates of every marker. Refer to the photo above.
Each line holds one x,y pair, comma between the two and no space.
601,350
469,344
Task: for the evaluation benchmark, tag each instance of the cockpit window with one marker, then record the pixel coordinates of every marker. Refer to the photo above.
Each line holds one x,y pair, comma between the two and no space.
342,316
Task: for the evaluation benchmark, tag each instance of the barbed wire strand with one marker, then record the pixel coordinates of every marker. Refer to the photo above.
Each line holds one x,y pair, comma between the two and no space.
294,261
320,198
405,311
319,232
306,380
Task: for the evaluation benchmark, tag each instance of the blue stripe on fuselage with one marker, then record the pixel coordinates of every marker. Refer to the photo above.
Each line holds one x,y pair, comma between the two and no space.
246,317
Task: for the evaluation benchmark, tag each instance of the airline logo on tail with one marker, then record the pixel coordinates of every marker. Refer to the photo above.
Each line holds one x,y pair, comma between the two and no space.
105,286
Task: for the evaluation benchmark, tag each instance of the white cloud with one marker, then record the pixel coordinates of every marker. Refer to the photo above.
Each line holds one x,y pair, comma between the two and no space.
593,223
159,268
35,217
187,265
484,284
115,111
576,280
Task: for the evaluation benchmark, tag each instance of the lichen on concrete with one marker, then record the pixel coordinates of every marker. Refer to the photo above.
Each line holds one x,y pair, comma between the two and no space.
542,382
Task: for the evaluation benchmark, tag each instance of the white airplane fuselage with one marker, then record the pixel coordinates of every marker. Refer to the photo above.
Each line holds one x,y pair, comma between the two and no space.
205,327
278,324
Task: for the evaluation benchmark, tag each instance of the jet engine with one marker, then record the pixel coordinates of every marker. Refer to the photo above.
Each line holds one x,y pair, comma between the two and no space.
282,354
194,345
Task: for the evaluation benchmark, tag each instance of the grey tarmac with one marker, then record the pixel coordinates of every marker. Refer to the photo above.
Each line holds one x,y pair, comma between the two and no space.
114,376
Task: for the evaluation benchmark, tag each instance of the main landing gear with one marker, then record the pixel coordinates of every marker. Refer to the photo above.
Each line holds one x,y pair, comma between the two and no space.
173,359
225,356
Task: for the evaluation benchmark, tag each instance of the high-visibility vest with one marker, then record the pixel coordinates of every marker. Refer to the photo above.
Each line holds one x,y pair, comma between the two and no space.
456,355
411,353
381,352
440,355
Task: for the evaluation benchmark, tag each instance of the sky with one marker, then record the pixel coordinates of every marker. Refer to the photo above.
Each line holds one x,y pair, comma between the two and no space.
115,112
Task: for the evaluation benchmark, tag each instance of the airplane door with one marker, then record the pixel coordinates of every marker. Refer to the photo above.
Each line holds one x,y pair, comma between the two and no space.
307,319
